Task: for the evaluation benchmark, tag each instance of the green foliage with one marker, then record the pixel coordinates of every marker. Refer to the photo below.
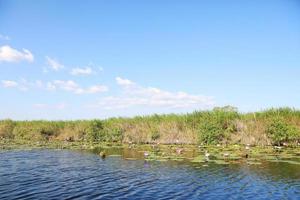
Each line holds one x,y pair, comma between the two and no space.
36,130
210,132
95,131
113,135
209,127
27,131
286,113
155,135
6,129
280,131
217,124
293,134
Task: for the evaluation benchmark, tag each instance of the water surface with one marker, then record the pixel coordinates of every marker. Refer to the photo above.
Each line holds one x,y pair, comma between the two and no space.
65,174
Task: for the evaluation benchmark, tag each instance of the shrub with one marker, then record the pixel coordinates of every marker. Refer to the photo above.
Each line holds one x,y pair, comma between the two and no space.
6,129
210,132
95,131
277,131
280,131
216,124
294,134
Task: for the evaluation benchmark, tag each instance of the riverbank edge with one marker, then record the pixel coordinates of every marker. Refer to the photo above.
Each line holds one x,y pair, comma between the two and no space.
219,154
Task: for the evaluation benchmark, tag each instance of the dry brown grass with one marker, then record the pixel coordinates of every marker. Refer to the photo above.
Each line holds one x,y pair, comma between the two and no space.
250,131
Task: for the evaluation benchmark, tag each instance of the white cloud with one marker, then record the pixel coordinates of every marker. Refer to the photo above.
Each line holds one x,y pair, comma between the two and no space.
4,37
82,71
22,84
54,64
97,89
124,82
73,87
9,84
136,95
89,69
65,85
69,86
8,54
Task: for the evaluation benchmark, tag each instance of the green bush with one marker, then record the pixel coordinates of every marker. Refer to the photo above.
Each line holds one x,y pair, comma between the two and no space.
280,131
214,126
210,132
294,134
95,131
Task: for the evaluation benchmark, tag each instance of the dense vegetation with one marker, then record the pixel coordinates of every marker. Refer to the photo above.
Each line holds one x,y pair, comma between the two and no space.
221,125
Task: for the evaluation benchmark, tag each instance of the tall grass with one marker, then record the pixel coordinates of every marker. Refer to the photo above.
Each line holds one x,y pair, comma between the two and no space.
220,125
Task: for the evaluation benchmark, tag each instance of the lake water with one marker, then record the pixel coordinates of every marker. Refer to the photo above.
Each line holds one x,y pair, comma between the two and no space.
65,174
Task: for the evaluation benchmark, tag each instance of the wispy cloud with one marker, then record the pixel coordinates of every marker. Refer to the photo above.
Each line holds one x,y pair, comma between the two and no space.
73,87
124,82
89,69
21,85
68,86
9,84
81,71
9,54
135,95
54,64
4,37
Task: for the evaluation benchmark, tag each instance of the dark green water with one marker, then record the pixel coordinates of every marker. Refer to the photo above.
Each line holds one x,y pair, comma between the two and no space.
65,174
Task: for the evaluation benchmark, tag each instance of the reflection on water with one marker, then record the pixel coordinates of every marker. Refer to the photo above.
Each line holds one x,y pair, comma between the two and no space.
51,174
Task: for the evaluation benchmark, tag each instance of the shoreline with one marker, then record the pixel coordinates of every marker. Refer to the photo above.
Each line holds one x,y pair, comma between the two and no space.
218,154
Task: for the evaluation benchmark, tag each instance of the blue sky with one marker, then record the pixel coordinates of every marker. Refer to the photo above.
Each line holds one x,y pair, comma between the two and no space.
98,59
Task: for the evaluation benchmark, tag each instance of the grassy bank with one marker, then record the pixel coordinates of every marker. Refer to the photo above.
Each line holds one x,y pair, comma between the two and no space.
220,126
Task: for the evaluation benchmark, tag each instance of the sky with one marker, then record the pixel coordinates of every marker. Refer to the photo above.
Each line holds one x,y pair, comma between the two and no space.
63,59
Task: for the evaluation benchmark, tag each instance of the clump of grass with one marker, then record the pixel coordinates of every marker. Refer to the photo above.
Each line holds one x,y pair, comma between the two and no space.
6,129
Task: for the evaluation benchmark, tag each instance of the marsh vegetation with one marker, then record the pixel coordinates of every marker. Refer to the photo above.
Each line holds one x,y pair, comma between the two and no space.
221,136
220,126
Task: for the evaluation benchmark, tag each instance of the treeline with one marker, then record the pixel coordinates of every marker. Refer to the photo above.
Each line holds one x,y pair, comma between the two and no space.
221,125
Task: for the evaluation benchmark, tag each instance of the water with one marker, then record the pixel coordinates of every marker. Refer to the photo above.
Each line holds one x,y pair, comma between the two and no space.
64,174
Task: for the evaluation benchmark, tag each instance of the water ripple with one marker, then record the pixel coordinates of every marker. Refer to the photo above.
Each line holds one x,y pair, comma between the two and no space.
50,174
